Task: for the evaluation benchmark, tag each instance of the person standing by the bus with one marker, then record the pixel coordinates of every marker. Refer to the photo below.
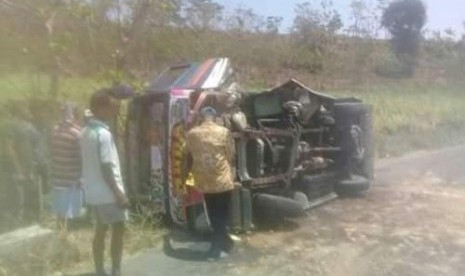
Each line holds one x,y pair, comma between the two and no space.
210,151
102,179
65,155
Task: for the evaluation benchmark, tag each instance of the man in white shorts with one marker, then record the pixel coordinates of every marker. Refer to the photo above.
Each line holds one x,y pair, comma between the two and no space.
104,189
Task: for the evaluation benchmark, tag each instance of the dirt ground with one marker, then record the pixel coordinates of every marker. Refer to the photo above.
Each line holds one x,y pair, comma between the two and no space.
412,222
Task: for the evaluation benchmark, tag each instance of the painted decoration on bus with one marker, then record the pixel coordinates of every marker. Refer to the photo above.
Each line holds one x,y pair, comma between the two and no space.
156,136
178,114
181,80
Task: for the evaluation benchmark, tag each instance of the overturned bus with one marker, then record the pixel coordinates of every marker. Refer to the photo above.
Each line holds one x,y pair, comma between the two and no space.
295,148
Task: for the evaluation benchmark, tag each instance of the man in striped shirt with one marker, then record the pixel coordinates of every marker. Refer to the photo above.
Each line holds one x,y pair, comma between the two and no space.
66,165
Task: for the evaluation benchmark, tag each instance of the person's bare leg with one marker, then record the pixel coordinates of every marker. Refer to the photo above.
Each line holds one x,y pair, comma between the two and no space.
98,248
117,247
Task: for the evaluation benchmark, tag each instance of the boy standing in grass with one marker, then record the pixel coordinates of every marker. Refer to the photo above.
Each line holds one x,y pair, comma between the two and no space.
66,165
104,190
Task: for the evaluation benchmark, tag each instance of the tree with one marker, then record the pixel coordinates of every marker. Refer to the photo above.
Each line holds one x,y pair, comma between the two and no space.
272,24
309,18
405,20
365,20
245,20
463,36
203,14
314,32
40,18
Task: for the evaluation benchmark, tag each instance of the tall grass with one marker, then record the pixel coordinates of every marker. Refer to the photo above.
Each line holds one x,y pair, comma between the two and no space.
70,251
410,116
28,85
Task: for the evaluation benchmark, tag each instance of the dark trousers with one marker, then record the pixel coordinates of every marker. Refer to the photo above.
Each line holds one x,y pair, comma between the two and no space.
218,213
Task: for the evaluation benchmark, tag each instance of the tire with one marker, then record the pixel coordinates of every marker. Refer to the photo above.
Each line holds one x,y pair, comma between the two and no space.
358,172
353,186
366,123
360,116
316,186
349,110
271,206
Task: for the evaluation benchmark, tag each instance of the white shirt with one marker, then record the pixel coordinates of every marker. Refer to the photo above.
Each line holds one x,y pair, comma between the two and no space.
97,148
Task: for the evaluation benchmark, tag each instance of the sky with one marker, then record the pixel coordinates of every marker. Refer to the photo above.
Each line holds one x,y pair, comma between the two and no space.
442,14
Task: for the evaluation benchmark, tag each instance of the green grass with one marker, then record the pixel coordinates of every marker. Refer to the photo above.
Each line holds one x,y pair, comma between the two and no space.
18,86
70,252
408,115
411,117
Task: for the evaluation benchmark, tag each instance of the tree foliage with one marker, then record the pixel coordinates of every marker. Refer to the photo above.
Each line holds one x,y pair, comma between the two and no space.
203,14
364,19
118,40
314,30
273,24
405,19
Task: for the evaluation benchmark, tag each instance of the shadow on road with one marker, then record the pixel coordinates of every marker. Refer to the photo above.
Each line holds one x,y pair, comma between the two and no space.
271,223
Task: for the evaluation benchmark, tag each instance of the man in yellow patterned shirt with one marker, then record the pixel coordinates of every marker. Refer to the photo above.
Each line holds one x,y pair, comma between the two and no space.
210,149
